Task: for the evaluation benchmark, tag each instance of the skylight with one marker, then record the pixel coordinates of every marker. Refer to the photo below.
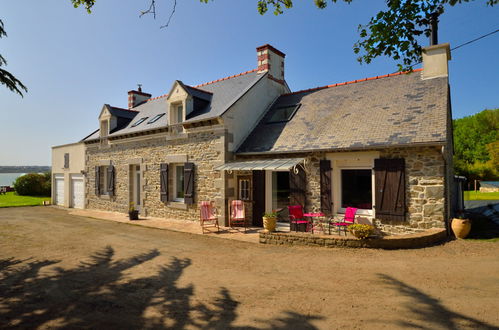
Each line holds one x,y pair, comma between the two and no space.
155,118
140,121
283,114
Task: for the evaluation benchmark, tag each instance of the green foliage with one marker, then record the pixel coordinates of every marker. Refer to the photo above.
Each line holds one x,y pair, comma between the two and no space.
10,199
361,231
476,146
33,184
7,78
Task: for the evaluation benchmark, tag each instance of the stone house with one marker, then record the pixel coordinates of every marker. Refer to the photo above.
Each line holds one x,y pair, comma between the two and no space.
381,144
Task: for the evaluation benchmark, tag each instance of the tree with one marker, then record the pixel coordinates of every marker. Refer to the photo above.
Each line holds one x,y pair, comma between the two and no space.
393,32
7,78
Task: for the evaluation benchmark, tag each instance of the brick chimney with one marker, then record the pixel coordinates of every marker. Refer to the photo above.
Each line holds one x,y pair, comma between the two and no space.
137,97
271,60
435,61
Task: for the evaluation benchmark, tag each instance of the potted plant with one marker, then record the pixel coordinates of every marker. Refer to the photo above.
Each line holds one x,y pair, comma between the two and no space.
461,226
269,221
361,231
133,214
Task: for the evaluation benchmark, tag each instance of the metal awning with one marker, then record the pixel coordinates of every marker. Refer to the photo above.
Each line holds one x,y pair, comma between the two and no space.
283,164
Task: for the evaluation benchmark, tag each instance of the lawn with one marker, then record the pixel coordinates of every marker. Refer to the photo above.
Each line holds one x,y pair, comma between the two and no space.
471,195
11,199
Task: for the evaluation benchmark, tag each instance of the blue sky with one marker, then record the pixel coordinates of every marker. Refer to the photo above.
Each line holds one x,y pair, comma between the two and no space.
73,63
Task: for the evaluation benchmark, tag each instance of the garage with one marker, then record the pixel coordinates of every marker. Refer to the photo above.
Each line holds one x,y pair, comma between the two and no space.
59,189
77,191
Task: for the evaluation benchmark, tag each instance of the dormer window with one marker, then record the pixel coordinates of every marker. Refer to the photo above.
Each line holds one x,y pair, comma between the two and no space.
178,115
104,128
140,121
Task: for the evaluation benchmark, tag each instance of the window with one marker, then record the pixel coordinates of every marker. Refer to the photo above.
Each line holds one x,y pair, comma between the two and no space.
140,121
178,183
155,118
103,181
179,113
356,188
66,160
283,114
280,190
244,188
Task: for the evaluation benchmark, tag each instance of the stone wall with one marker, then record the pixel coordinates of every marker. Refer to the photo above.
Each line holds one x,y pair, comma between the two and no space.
425,192
204,149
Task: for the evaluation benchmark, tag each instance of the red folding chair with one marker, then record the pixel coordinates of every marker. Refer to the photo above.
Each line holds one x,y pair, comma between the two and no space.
296,218
208,215
347,220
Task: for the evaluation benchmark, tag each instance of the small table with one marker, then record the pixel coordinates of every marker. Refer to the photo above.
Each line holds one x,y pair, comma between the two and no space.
316,222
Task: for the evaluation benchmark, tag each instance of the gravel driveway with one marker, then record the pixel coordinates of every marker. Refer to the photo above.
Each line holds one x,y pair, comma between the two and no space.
59,270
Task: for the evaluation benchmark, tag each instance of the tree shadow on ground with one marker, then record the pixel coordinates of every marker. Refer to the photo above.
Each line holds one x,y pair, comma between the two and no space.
429,312
100,294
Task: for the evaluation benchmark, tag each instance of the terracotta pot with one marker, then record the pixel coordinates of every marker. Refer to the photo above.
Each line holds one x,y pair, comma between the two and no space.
269,223
461,227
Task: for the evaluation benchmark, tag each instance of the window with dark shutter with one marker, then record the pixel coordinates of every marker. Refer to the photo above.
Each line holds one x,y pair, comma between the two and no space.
189,183
110,180
297,187
163,179
97,180
66,160
326,199
389,184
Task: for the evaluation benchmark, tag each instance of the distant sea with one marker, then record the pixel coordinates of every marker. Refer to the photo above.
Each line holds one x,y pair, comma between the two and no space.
6,179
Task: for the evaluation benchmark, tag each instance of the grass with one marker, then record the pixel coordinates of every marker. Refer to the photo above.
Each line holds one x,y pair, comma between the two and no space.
11,199
471,195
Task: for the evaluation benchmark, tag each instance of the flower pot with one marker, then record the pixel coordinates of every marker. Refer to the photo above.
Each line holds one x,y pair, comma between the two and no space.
461,227
269,223
133,215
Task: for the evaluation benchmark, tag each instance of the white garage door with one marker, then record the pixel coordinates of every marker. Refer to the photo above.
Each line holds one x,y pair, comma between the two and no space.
59,190
77,195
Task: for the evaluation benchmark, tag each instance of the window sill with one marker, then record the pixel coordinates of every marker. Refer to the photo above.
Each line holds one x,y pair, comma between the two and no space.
107,197
177,205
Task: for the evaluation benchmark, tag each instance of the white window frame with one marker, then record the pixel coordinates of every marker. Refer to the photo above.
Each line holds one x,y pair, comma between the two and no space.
368,212
175,168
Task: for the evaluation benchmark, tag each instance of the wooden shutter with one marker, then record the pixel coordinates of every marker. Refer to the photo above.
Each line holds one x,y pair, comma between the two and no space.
326,200
189,183
66,160
389,183
97,180
110,180
297,187
258,197
163,179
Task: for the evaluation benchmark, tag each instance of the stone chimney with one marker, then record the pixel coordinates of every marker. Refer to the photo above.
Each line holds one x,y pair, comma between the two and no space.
271,60
137,97
435,61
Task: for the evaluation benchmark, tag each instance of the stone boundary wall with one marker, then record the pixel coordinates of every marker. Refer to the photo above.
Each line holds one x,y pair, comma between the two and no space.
410,241
204,149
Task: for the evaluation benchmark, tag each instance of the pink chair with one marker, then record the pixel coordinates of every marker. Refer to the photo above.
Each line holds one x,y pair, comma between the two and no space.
208,215
347,220
296,218
237,214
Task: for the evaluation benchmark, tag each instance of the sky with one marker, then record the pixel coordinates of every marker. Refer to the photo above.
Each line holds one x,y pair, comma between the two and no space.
73,63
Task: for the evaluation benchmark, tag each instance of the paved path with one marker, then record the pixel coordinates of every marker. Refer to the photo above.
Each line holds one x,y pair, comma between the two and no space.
64,271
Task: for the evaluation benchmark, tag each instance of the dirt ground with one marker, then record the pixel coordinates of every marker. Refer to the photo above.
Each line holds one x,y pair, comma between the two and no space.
59,270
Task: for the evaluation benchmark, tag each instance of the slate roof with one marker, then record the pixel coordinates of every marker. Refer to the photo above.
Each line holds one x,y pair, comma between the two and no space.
399,109
217,95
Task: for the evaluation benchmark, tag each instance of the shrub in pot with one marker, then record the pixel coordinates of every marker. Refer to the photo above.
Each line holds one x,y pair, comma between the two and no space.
270,220
133,214
361,231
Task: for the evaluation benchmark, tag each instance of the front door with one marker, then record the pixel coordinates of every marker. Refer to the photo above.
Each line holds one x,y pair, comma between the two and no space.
258,197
